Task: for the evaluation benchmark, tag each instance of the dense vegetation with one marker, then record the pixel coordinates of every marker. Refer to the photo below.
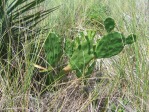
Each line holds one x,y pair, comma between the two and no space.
74,55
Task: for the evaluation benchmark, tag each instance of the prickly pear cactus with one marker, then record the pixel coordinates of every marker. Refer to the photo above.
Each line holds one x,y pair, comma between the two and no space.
110,45
84,52
53,48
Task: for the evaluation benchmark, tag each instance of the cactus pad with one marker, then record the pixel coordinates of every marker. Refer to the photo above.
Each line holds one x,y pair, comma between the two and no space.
83,54
130,39
80,58
109,24
69,47
53,48
110,45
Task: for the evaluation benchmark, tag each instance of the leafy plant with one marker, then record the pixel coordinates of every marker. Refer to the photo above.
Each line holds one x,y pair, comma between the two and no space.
17,21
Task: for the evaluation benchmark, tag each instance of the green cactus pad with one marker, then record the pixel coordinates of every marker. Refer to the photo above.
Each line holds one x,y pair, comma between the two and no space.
83,54
69,47
109,24
80,57
53,48
110,45
131,39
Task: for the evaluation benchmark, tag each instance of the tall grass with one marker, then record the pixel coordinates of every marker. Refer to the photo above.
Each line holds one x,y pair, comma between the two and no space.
120,83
